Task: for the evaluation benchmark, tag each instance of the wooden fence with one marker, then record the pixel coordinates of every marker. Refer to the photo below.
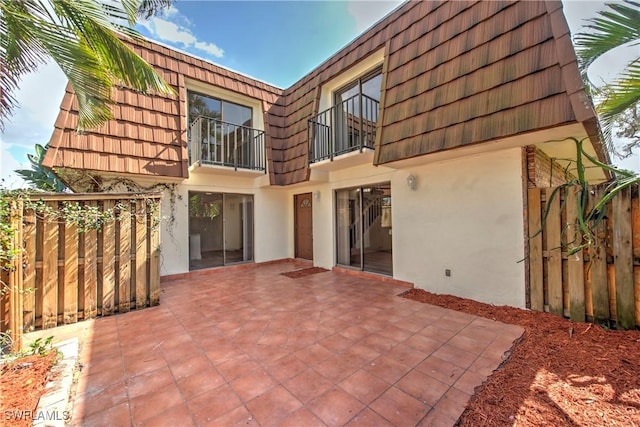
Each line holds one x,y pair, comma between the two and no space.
599,283
65,274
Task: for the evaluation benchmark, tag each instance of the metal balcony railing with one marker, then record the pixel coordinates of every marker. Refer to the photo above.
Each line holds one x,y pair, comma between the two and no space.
214,142
345,127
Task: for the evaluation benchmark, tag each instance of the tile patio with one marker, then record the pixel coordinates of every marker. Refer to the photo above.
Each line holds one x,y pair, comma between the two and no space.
250,347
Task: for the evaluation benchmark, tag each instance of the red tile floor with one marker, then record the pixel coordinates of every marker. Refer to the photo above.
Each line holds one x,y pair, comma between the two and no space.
252,347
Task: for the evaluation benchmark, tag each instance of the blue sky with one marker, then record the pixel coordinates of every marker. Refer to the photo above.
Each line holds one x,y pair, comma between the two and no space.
277,42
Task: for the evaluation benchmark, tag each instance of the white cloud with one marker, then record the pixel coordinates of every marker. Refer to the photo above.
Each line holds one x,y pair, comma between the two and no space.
39,97
173,27
366,13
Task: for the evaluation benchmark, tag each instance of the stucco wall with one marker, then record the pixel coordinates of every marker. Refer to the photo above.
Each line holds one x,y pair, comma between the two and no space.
465,216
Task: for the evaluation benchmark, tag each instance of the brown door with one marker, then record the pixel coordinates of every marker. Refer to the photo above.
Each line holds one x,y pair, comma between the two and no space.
303,225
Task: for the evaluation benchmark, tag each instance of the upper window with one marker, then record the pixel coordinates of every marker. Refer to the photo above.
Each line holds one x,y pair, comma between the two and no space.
208,106
368,85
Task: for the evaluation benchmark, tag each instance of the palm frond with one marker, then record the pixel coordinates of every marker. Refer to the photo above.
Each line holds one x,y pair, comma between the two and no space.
614,27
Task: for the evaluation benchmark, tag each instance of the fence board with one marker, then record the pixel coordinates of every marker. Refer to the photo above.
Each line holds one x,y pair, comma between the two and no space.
623,259
90,284
154,261
598,267
16,280
50,270
552,230
141,253
29,257
70,273
124,292
108,262
535,251
575,262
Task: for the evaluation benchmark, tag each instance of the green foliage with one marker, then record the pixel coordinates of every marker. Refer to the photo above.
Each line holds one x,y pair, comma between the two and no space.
86,39
41,347
617,25
39,176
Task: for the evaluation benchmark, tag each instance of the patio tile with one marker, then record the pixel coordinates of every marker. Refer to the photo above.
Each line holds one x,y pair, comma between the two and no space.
379,343
440,369
359,354
364,386
300,418
149,382
437,418
308,385
222,353
336,368
91,403
406,355
335,342
176,416
149,405
452,403
336,407
237,367
368,418
209,406
187,367
458,357
400,408
466,343
313,354
94,383
273,406
237,417
469,381
423,387
252,384
285,367
387,369
144,364
203,382
114,416
355,333
424,344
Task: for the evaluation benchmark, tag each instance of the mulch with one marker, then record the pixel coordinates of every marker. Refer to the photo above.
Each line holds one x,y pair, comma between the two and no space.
295,274
560,372
22,382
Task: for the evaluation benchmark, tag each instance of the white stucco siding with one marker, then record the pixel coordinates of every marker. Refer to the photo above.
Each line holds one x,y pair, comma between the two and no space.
466,215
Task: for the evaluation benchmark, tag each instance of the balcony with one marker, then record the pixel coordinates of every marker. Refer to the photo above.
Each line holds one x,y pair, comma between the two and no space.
213,142
347,127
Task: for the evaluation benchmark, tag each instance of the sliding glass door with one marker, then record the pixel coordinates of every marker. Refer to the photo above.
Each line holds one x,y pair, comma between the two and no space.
363,219
220,229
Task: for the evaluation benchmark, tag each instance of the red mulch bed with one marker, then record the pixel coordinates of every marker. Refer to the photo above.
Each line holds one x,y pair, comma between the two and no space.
21,384
304,272
560,373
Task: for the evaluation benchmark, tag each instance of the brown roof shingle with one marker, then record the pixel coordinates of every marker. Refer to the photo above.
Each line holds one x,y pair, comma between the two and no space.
454,73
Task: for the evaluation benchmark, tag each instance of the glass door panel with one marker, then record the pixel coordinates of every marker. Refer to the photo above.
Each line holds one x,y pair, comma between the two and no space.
220,229
363,233
349,227
376,218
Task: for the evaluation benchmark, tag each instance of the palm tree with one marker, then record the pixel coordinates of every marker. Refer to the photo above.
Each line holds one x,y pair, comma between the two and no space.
39,176
86,38
616,26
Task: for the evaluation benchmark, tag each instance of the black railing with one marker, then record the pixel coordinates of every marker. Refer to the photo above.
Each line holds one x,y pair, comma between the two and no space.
345,127
214,142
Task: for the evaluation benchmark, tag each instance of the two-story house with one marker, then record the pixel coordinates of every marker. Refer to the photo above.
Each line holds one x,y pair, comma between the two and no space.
408,153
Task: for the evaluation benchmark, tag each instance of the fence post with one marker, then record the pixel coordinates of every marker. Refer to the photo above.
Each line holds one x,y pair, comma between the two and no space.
16,316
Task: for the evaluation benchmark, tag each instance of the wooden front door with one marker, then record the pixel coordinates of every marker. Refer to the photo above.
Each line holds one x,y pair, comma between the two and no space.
303,225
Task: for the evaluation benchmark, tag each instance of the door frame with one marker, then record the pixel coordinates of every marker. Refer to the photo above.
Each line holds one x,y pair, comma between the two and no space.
297,197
